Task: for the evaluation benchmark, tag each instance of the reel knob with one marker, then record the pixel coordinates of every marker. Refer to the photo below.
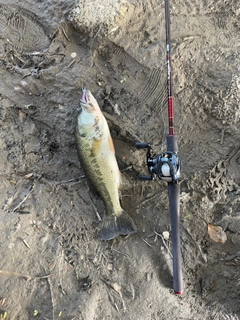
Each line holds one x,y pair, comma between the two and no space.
142,145
145,178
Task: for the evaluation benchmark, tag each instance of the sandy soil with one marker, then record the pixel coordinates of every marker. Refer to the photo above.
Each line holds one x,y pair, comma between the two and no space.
51,265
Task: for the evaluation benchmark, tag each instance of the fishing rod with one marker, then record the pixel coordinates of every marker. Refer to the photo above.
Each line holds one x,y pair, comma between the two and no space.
167,167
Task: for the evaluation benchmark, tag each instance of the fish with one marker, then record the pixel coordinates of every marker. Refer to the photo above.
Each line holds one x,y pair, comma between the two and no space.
96,153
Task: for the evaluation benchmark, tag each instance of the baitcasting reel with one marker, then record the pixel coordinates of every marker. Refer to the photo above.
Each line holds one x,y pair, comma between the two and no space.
165,165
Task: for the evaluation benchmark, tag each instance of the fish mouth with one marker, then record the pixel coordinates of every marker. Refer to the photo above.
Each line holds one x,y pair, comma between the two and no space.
87,101
84,96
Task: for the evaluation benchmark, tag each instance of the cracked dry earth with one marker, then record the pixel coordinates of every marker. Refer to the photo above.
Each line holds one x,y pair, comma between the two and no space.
51,266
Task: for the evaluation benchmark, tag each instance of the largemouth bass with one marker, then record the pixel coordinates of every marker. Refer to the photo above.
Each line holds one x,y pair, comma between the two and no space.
97,156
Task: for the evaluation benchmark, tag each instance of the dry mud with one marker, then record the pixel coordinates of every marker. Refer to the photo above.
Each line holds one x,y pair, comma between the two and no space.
49,50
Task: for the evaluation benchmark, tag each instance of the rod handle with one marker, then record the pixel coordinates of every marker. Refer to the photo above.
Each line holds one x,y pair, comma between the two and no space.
172,144
174,204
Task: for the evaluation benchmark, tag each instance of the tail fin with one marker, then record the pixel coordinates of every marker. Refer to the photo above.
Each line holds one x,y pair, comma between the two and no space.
116,225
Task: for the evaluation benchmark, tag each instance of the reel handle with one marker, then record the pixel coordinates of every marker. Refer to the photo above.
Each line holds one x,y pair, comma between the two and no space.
145,145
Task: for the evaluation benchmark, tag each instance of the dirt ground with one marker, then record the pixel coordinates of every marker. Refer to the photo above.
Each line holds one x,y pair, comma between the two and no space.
51,265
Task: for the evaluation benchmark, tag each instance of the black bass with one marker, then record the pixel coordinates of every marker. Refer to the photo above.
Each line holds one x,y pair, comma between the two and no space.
97,156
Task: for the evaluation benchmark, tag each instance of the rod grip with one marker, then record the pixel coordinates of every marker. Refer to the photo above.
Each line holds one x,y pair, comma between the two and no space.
174,204
172,143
